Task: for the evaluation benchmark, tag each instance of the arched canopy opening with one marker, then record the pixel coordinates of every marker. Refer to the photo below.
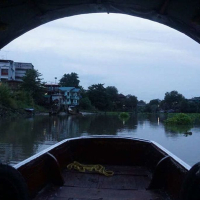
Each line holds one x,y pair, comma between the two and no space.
19,16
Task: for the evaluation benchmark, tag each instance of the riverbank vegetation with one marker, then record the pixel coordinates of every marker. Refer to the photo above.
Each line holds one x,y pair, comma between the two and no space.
183,119
124,116
174,102
179,119
14,99
13,103
181,123
28,95
96,98
100,98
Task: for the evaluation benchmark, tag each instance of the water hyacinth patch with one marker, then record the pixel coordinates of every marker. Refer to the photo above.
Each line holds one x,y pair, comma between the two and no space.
179,119
124,115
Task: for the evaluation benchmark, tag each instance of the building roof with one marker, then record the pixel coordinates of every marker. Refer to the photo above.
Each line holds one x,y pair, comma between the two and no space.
7,61
52,85
194,99
65,89
22,63
75,90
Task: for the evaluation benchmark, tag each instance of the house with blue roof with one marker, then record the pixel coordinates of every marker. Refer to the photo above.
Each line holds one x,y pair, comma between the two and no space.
71,95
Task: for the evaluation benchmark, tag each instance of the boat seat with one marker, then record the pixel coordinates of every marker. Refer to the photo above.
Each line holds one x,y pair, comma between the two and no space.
159,173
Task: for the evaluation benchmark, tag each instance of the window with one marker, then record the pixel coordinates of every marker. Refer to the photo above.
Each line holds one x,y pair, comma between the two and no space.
4,71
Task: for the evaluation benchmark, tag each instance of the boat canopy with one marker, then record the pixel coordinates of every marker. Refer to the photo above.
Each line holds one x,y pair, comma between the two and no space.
19,16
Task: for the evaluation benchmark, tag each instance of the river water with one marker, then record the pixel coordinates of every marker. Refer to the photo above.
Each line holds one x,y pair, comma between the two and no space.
22,138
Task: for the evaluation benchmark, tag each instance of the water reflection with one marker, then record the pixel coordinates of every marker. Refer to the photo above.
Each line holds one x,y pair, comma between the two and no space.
175,130
21,138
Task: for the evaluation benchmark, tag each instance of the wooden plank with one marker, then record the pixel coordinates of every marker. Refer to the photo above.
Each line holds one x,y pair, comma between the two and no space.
142,182
129,170
81,180
117,181
126,182
73,193
129,183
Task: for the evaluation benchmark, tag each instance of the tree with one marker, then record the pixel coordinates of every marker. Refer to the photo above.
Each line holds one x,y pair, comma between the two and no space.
131,102
69,80
82,92
85,104
141,106
155,102
189,106
98,96
141,102
112,93
120,102
153,106
5,94
32,83
173,100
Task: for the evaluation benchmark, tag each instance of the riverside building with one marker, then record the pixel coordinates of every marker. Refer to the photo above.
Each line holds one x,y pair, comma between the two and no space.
13,71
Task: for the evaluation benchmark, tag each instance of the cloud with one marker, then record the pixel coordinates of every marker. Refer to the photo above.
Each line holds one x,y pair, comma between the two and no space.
137,56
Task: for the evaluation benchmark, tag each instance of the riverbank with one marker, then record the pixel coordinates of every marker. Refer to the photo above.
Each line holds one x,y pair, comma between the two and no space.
6,112
10,112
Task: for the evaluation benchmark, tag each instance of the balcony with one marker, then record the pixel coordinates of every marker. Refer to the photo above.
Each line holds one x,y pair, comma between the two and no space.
74,97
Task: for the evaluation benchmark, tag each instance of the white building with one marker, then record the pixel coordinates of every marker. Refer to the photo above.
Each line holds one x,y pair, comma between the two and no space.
71,94
20,69
10,70
6,70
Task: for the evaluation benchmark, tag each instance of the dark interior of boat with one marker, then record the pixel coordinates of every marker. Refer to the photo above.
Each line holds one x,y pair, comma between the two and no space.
128,182
141,171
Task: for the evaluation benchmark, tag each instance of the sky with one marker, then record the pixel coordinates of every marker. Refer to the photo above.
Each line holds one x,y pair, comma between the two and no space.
137,56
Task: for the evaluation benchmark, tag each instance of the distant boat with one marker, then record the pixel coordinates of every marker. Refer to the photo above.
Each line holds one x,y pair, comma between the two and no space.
30,110
71,111
101,167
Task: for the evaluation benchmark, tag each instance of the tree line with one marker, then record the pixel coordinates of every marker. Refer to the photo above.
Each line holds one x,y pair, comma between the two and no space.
108,99
99,97
174,102
95,97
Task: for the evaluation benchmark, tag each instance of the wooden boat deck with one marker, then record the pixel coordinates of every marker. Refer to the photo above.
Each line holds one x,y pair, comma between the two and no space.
127,183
